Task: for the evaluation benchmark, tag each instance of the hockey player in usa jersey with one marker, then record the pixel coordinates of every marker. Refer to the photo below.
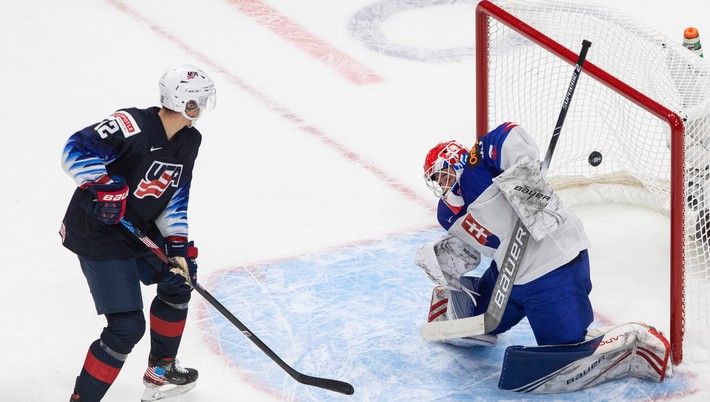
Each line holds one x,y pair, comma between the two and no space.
483,192
137,164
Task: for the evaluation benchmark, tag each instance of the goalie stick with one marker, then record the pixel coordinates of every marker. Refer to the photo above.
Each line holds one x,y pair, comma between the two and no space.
514,253
325,383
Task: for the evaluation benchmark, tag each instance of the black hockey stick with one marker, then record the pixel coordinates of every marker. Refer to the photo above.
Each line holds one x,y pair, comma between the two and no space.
508,271
325,383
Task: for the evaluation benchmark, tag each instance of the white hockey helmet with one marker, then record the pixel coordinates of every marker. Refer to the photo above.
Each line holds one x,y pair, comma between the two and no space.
187,87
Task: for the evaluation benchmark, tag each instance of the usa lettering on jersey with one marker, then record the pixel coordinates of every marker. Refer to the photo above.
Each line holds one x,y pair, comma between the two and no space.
157,179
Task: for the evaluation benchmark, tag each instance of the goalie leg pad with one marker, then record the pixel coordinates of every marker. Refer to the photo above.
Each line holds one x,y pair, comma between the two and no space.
449,304
631,349
474,340
439,304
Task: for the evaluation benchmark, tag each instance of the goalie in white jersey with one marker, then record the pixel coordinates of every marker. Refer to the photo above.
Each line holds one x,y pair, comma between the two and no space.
483,192
553,283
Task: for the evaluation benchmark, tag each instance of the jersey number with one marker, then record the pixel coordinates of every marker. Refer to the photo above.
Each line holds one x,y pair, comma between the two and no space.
107,127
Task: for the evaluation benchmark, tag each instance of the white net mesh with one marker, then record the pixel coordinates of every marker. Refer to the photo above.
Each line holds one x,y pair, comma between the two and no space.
526,84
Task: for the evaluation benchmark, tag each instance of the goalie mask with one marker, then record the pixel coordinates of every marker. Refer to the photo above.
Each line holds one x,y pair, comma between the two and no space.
186,88
443,166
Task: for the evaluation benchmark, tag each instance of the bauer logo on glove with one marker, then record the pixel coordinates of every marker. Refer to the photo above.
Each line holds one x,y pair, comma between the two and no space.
110,197
182,271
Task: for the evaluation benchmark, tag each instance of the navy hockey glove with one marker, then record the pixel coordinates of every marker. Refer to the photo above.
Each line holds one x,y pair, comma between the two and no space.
182,271
109,199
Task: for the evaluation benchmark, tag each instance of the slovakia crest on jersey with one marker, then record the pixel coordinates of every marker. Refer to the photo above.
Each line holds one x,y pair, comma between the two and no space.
482,235
159,177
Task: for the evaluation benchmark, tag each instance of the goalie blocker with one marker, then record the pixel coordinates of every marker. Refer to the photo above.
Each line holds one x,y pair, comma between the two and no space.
631,349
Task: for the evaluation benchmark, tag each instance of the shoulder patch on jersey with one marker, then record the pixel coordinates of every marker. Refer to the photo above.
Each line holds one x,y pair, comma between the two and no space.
493,151
474,156
127,123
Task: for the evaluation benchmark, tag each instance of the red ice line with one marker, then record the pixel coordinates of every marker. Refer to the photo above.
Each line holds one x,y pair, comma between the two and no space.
272,104
304,40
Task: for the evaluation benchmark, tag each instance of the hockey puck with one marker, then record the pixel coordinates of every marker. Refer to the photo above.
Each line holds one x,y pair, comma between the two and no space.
595,158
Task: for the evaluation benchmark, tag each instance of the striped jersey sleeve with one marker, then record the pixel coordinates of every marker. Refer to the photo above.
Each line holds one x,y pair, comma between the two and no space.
507,145
173,220
86,155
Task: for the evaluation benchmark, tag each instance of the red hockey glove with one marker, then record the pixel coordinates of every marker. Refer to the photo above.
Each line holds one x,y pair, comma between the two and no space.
109,200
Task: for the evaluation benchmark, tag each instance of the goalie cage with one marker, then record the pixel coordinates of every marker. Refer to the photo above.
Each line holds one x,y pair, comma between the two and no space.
647,109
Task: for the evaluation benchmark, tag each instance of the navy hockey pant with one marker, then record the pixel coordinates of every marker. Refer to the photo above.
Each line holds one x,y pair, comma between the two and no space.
557,304
115,288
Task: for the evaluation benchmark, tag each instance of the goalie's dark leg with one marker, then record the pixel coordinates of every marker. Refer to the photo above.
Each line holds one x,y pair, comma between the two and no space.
513,312
557,304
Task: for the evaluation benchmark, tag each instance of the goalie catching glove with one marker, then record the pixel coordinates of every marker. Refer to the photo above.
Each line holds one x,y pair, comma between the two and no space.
446,260
182,271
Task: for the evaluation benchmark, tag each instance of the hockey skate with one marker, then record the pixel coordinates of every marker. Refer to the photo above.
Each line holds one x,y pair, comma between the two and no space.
165,378
449,304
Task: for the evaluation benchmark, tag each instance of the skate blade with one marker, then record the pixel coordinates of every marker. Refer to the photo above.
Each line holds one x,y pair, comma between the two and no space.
155,393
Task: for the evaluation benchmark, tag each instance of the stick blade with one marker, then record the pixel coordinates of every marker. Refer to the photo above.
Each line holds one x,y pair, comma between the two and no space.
463,327
325,383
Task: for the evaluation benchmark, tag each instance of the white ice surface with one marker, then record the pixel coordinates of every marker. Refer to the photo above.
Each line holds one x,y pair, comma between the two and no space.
306,199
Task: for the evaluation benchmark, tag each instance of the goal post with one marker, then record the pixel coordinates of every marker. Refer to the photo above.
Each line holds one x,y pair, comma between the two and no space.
647,106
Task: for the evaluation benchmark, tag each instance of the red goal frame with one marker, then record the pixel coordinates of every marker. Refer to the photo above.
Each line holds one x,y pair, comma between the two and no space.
486,10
